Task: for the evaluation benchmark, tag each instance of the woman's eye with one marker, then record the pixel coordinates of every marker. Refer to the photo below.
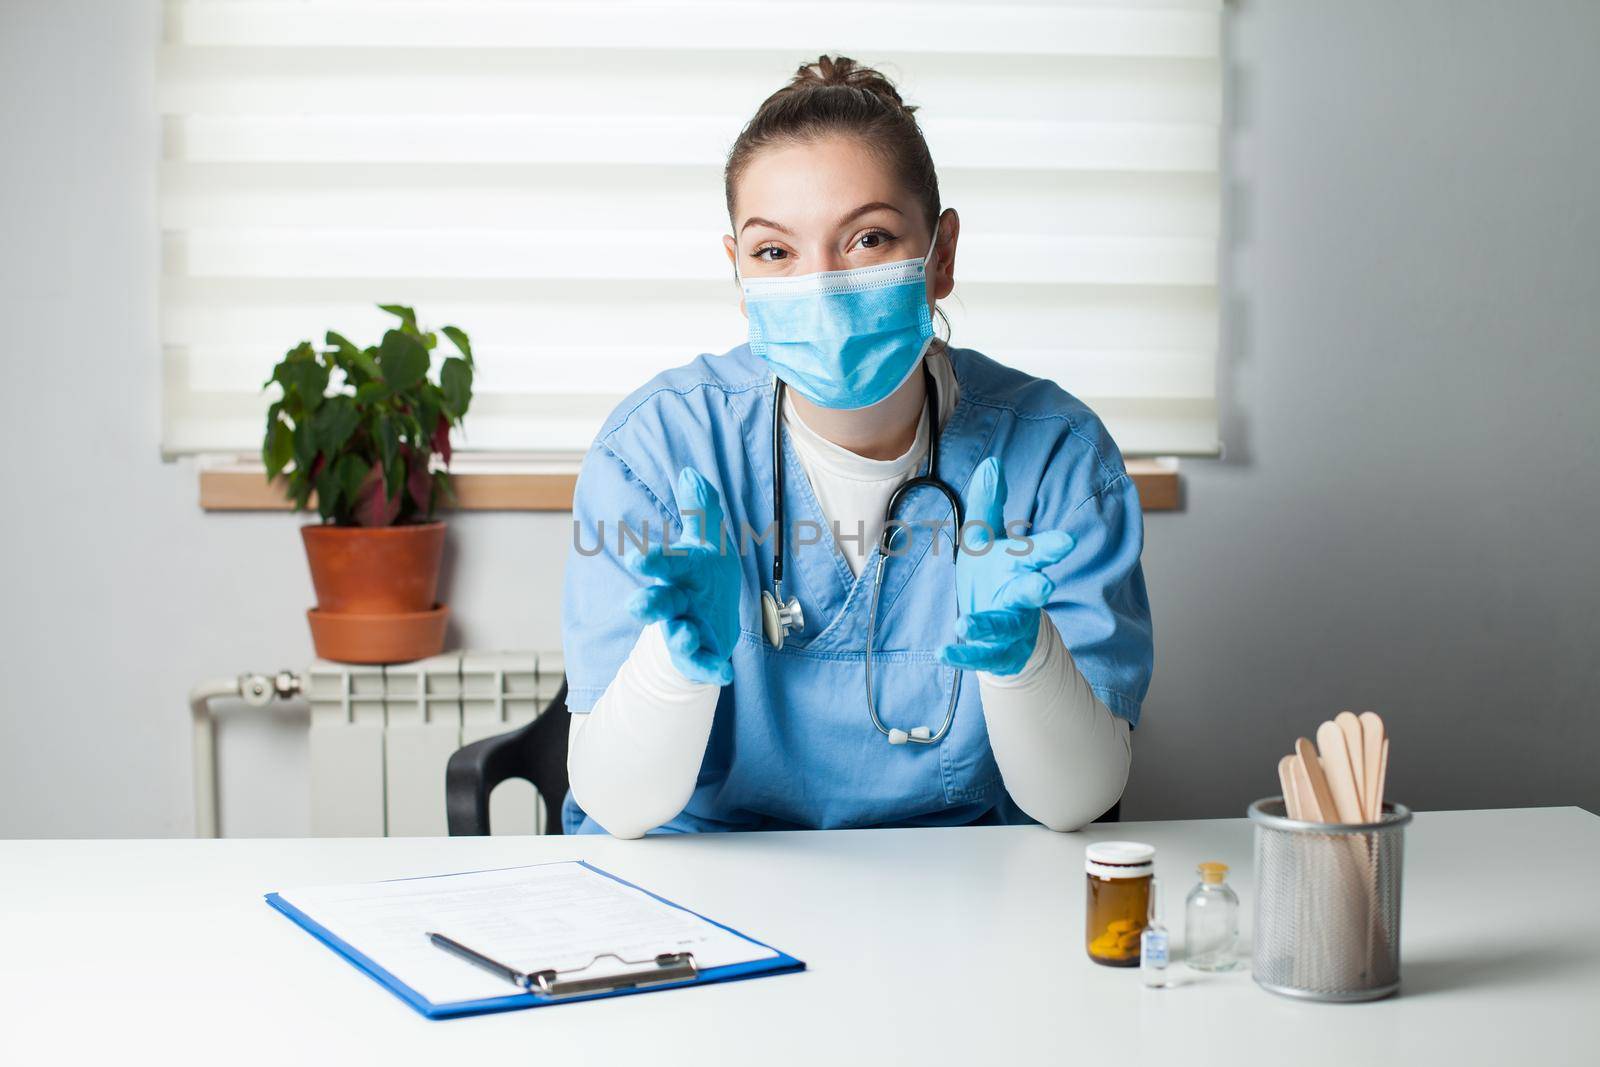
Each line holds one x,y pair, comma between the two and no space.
875,238
761,253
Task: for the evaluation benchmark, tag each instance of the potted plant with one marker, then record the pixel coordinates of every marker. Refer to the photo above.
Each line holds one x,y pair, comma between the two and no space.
358,428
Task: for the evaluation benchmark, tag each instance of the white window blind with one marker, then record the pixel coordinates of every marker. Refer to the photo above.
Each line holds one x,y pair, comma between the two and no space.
548,177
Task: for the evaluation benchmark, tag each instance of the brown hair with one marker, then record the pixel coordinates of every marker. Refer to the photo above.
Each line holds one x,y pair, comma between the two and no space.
836,96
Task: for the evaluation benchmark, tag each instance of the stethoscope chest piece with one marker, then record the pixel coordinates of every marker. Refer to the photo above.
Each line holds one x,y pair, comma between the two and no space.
777,618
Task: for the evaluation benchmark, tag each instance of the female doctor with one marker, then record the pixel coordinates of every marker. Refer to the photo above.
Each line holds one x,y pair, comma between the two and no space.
786,653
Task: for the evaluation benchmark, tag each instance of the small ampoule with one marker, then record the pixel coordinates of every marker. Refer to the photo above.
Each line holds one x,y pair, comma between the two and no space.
1153,946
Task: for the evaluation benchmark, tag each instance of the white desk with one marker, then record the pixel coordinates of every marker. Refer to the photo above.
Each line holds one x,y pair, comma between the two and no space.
924,946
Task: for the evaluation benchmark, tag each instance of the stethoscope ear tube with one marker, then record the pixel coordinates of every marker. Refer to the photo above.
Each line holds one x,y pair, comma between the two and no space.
779,618
777,488
919,735
886,541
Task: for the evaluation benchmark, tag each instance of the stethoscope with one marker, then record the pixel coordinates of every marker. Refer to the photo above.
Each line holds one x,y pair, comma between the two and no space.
778,617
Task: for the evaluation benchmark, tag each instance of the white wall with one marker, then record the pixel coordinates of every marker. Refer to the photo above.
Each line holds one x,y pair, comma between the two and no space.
1405,519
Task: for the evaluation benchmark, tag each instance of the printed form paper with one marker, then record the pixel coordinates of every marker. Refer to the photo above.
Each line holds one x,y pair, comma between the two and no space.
551,915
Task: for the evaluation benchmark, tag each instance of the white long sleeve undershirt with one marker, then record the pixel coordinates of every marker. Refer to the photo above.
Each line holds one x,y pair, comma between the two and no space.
634,757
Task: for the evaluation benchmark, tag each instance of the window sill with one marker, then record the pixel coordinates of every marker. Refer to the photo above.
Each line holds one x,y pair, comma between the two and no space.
515,484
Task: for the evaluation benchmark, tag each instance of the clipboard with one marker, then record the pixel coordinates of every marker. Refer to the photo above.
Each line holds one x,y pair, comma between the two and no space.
543,987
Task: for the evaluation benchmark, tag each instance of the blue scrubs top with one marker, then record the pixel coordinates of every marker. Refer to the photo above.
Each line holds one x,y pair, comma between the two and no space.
792,745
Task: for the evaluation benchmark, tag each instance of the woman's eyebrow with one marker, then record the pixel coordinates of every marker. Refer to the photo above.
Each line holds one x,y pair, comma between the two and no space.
876,205
864,208
757,220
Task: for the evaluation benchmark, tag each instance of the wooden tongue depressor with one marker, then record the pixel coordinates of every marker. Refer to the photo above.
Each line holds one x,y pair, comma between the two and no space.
1372,745
1383,773
1291,800
1351,727
1341,776
1325,810
1305,799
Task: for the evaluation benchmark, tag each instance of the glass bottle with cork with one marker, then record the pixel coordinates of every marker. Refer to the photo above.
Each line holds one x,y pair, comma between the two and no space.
1211,921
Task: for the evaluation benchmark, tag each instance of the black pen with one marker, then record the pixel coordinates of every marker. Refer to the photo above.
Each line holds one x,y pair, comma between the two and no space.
494,967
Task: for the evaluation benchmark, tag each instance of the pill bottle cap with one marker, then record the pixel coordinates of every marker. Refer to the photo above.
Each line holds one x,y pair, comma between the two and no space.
1213,873
1119,859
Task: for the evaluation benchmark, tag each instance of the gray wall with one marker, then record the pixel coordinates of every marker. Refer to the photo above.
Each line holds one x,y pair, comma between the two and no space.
1404,518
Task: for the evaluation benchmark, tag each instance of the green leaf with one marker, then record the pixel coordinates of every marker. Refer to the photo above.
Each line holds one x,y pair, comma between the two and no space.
402,359
394,467
407,316
329,490
430,340
341,342
305,446
278,448
394,477
366,361
455,378
369,393
351,471
458,337
284,373
388,442
304,378
313,383
427,419
358,366
334,424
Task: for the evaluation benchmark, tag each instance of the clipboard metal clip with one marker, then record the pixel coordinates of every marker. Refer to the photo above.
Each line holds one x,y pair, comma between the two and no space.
664,969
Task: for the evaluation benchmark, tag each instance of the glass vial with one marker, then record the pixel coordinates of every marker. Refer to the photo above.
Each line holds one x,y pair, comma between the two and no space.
1211,921
1153,946
1116,900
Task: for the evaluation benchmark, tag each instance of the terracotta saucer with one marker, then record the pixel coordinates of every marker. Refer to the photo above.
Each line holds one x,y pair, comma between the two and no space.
351,638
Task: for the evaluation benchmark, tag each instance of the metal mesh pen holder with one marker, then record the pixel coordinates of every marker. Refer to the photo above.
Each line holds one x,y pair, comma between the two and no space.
1327,920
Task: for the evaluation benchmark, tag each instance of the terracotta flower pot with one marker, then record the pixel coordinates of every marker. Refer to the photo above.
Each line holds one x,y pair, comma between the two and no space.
381,570
375,591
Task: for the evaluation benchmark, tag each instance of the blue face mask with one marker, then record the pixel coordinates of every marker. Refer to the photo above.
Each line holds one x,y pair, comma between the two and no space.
843,338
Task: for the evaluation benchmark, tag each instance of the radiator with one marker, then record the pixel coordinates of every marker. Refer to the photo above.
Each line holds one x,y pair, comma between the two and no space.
380,737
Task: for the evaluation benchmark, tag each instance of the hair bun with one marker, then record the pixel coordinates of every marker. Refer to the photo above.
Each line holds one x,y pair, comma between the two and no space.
842,70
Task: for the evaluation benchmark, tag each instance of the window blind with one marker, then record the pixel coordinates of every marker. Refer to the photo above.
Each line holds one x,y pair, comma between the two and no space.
548,177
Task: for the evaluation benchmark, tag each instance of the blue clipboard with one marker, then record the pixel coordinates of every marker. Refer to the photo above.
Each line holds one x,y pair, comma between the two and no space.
782,963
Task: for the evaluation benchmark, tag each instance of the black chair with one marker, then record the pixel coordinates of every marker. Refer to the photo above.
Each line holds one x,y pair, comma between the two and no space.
536,753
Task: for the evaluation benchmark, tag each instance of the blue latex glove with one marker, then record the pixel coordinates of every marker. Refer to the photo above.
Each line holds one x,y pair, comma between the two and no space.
696,590
1000,584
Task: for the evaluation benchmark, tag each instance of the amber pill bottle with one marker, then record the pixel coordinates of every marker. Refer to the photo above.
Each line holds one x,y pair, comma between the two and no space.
1117,901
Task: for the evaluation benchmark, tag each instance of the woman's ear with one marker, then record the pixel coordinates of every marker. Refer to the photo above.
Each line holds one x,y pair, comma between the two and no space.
944,255
731,246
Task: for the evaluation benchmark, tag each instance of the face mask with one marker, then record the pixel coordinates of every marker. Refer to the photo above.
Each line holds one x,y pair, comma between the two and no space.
843,338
